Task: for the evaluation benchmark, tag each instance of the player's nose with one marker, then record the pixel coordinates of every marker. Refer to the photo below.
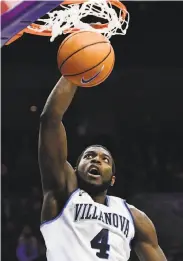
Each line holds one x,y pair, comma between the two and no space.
96,160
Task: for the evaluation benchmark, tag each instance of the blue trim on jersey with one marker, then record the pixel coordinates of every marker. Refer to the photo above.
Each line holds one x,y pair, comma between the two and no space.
107,200
133,221
132,218
60,214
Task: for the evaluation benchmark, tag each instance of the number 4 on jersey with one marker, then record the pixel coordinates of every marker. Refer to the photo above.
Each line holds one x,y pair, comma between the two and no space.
100,241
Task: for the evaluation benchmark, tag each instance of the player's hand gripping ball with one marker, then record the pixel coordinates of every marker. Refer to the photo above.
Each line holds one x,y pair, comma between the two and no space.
86,58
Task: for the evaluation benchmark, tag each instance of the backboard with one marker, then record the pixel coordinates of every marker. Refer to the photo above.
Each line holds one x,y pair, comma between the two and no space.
17,15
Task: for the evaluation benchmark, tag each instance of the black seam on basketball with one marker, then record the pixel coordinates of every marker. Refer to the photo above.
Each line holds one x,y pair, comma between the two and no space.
71,35
90,68
105,77
79,51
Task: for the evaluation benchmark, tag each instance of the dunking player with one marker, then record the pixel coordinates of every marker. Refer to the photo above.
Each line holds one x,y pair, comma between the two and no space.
79,221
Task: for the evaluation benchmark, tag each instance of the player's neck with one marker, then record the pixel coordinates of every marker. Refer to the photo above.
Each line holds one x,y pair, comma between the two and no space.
100,198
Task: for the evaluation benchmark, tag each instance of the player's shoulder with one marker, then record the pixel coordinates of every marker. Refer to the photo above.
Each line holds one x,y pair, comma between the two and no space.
142,222
115,198
136,213
120,201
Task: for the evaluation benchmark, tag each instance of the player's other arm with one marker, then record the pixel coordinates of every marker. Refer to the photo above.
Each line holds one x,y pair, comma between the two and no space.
57,175
146,244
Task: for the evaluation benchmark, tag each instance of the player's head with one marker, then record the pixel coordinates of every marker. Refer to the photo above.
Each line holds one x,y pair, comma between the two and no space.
95,169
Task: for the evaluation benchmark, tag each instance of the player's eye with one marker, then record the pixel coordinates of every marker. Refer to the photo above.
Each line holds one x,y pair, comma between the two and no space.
88,156
106,160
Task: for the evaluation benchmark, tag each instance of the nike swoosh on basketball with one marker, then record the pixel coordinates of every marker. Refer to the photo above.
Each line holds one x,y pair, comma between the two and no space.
92,78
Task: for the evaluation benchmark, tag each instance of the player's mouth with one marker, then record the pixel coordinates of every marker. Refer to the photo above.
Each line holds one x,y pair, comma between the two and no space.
94,171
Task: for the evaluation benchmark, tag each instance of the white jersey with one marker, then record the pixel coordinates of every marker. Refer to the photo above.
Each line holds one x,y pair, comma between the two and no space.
89,231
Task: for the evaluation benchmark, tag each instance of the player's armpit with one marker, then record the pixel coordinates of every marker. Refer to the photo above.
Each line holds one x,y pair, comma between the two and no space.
53,203
146,244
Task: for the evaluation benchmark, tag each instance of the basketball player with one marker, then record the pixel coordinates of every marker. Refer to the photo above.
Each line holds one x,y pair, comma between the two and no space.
79,221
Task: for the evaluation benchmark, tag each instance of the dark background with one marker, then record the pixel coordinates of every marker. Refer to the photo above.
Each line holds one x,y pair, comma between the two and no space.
137,113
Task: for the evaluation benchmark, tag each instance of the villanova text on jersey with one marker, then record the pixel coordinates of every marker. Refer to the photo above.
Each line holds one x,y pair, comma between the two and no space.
91,212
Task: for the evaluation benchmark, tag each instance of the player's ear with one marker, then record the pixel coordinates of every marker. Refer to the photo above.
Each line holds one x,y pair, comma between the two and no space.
113,180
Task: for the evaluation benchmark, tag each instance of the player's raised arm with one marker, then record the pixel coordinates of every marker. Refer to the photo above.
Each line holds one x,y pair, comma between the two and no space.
146,244
56,173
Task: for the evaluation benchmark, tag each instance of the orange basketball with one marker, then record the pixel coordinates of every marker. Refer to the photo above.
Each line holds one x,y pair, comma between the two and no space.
86,58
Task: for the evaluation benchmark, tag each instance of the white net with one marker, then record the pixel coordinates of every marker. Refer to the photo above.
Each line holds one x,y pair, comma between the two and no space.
69,17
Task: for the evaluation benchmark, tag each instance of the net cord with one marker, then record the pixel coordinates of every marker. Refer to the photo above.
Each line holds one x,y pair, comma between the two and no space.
69,18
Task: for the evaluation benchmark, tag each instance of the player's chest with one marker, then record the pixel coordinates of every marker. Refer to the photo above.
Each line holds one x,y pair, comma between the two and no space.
85,213
97,215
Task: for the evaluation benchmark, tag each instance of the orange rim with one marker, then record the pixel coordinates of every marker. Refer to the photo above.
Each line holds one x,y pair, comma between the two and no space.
30,29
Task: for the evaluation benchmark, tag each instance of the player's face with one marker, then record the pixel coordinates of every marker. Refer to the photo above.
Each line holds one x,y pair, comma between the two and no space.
95,166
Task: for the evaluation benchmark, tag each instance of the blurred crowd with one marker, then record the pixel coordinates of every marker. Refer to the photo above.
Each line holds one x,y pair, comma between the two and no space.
144,168
21,238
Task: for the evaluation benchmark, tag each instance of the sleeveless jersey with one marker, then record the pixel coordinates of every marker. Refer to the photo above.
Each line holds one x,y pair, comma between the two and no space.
89,231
